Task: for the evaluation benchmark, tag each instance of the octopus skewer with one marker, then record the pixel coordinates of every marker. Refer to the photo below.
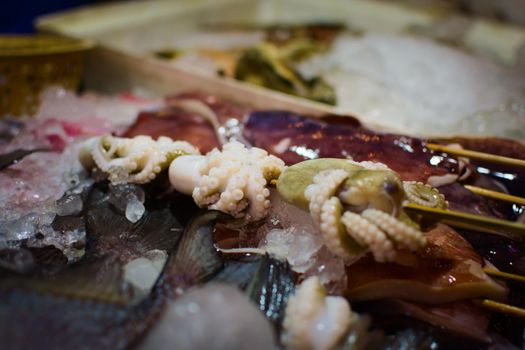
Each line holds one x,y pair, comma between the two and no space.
358,206
132,160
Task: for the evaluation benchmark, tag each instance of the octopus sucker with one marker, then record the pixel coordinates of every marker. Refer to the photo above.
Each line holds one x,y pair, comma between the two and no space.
233,180
365,201
132,160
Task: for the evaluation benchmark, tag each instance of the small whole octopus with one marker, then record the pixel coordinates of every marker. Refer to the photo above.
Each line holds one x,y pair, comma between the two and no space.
234,180
132,160
357,206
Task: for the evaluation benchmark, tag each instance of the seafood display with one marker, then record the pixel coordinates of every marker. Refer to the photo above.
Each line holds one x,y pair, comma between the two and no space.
202,224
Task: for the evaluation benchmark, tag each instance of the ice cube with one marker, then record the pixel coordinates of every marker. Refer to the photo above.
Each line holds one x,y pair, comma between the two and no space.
330,269
290,233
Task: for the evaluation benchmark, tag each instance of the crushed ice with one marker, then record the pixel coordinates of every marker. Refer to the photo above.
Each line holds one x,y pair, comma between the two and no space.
394,80
45,186
289,233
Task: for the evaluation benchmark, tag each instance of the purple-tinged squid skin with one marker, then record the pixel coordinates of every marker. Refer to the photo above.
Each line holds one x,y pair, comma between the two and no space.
295,138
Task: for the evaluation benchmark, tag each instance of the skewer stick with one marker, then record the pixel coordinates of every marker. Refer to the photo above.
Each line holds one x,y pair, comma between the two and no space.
477,155
503,308
496,195
468,221
504,275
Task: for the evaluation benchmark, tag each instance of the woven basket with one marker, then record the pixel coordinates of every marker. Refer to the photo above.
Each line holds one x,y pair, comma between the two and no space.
28,64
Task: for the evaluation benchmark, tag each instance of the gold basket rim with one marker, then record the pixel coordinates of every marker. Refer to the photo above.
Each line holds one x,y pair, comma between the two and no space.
23,45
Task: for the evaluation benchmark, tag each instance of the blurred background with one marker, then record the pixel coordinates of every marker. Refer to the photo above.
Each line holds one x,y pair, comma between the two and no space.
20,15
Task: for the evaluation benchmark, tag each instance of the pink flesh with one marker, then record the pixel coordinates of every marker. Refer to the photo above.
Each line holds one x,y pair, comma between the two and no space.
176,124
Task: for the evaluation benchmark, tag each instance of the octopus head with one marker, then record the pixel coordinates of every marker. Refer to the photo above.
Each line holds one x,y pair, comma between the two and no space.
373,189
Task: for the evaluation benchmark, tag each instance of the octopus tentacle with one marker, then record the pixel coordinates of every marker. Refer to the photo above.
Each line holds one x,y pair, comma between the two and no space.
323,187
402,234
424,194
258,195
368,234
232,195
370,165
333,231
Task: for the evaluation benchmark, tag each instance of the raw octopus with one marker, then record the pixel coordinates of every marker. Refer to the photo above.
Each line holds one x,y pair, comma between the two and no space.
356,205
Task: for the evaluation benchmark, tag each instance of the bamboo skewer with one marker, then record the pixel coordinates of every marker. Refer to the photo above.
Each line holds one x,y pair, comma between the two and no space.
468,221
503,308
477,155
504,275
496,195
